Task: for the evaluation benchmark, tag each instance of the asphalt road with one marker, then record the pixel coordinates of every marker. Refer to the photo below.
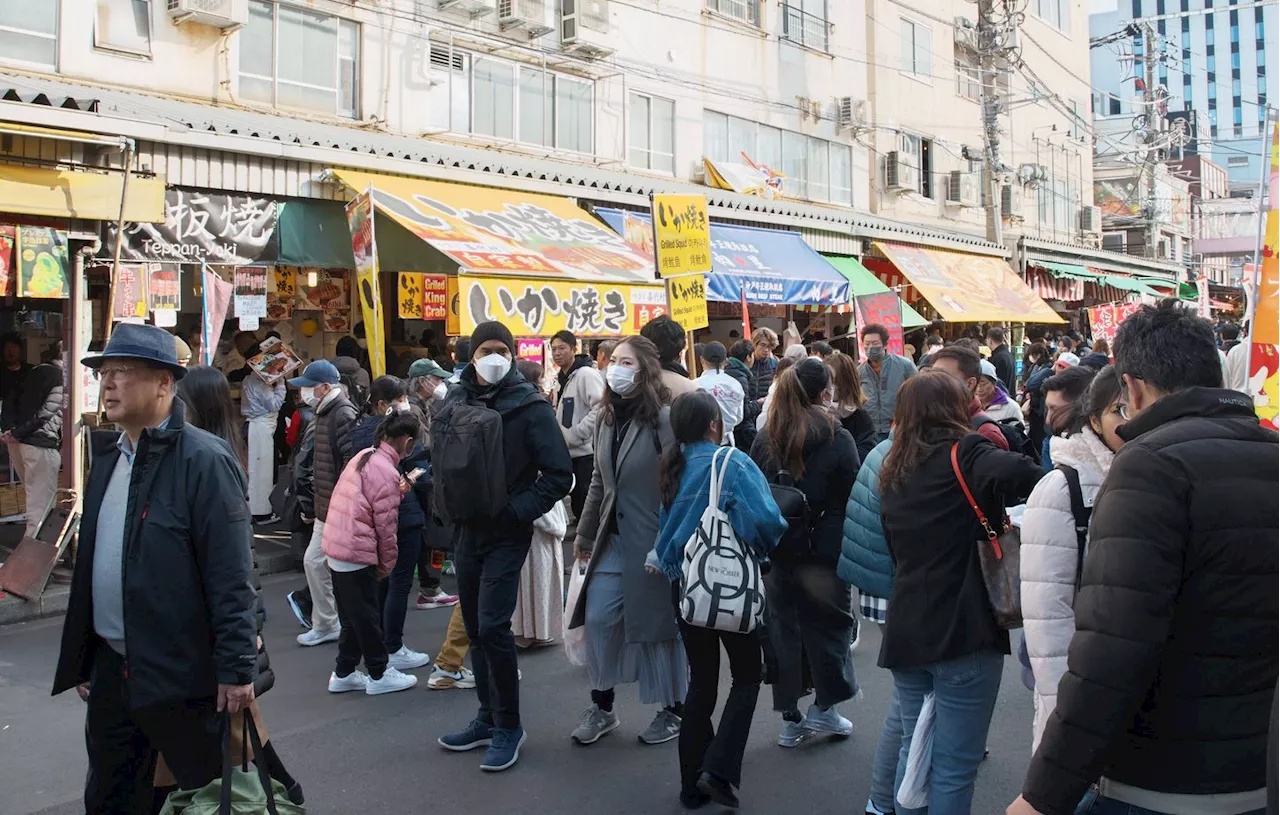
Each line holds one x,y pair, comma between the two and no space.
360,754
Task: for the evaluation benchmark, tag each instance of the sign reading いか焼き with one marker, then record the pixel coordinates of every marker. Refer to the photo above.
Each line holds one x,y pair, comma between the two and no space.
687,300
540,308
421,296
681,234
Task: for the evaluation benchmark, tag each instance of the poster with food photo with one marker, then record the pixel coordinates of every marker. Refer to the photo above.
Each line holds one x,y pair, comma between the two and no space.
330,291
251,291
275,361
8,237
42,263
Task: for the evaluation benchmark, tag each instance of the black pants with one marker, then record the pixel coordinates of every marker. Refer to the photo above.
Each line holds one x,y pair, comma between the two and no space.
360,614
810,619
428,575
393,593
583,466
122,742
488,581
702,748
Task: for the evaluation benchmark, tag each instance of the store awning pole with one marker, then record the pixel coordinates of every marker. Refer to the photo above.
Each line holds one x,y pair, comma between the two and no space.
115,262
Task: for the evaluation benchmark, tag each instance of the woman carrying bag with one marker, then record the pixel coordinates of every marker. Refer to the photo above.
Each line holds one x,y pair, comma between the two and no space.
711,760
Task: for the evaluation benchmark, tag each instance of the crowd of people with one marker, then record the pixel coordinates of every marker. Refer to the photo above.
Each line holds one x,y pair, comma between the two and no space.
1143,492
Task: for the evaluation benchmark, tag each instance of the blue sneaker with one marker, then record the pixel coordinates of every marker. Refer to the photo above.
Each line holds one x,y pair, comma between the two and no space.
504,752
476,734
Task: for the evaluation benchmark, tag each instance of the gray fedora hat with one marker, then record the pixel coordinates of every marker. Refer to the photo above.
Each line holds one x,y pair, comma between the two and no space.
147,343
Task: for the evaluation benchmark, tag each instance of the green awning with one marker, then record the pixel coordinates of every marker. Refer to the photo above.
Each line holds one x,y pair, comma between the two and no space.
863,281
1130,284
1069,270
315,233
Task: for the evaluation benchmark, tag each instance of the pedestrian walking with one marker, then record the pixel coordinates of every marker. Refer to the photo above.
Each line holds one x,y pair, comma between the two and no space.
631,633
669,338
711,757
1170,685
1001,359
810,611
942,637
882,374
14,369
1061,391
360,547
260,403
741,366
536,473
160,648
848,403
335,416
579,388
428,384
1052,537
36,433
965,366
993,399
729,393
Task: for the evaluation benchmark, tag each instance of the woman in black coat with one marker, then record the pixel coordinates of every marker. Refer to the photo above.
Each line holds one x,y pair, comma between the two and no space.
810,609
941,637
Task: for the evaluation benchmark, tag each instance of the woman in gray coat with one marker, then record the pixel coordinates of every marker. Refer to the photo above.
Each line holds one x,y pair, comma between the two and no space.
628,613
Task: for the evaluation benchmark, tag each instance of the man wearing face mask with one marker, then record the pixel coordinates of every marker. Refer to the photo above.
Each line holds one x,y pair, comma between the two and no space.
882,374
335,417
491,551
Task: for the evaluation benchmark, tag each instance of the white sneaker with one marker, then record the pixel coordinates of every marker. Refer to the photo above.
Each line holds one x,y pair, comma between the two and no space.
444,680
352,681
317,636
391,681
406,659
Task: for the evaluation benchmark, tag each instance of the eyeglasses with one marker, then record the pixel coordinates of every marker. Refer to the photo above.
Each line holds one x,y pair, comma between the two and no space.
118,372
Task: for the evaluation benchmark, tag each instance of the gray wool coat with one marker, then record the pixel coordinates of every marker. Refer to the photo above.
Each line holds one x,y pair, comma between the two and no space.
631,485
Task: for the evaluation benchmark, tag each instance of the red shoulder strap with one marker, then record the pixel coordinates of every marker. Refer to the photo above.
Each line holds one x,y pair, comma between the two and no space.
977,510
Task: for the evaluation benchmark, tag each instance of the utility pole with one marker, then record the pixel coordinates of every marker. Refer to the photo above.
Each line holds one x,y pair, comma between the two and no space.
1152,119
989,46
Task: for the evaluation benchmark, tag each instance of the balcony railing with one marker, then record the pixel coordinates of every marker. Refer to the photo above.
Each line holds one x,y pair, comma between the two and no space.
747,11
804,28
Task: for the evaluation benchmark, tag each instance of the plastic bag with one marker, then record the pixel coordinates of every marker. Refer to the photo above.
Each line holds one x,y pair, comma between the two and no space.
914,792
575,639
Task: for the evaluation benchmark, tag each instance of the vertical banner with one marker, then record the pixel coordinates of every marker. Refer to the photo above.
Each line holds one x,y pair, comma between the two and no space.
365,249
281,295
881,308
1104,320
8,239
130,284
213,311
1264,334
681,234
687,300
1202,297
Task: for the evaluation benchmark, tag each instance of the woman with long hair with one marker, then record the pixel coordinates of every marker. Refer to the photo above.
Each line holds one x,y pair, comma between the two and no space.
942,637
711,759
847,402
206,396
810,607
631,632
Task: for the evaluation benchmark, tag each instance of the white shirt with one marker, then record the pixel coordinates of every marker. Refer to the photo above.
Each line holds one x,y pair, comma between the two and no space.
728,394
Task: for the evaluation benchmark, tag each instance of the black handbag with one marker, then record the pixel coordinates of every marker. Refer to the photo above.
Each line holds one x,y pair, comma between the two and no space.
794,507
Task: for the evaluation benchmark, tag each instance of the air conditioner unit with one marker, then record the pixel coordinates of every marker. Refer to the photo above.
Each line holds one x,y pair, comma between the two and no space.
583,24
526,16
963,189
850,112
898,172
222,14
472,8
966,34
1010,201
1090,219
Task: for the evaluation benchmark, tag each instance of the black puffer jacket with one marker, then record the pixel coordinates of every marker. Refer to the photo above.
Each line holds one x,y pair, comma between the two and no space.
744,435
334,422
1172,668
39,408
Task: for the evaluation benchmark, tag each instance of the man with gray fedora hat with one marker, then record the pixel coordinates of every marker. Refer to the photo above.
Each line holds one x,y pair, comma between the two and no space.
160,633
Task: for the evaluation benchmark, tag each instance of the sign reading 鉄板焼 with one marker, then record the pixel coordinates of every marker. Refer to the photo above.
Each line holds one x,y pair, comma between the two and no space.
534,307
681,234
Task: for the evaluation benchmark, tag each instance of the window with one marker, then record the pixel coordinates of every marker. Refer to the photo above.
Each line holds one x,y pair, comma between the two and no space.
746,10
841,174
915,48
573,111
652,133
123,25
449,101
536,105
805,22
1113,106
1076,126
29,32
926,168
968,80
816,169
795,164
493,99
294,57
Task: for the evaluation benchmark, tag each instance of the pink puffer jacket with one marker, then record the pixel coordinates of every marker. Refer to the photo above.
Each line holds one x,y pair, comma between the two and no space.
364,510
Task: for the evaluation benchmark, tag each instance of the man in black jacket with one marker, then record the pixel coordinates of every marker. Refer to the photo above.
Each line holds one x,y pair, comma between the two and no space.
741,367
1002,358
491,551
1172,669
37,429
160,632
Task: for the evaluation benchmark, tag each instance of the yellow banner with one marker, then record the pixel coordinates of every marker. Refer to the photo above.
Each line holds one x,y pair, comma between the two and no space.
364,247
687,297
54,193
682,234
533,307
1264,357
453,312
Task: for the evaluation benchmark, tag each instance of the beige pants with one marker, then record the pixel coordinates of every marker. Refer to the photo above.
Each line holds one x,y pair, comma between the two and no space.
40,480
324,614
15,457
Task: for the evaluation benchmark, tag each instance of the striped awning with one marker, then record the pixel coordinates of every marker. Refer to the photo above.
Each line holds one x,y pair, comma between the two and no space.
1051,287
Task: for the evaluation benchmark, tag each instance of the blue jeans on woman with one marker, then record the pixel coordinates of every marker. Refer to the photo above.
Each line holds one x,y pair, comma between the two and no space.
965,690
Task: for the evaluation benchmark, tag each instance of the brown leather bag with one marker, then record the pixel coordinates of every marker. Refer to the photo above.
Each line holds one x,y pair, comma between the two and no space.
998,557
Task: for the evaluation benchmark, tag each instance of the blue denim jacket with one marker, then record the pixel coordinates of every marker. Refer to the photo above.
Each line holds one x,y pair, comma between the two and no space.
744,496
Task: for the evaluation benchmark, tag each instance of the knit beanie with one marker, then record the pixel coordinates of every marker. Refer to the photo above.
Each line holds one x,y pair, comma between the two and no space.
492,330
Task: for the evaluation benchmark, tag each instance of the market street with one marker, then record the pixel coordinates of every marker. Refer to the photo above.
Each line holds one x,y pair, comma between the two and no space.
354,753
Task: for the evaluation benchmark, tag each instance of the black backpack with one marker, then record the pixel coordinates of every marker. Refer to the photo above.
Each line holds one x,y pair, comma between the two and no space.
794,507
1014,435
469,473
1080,513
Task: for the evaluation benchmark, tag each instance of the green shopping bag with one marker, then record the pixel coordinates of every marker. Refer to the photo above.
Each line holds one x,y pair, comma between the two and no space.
239,791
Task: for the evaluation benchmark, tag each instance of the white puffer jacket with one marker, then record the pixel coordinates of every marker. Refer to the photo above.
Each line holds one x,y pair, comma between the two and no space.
1049,550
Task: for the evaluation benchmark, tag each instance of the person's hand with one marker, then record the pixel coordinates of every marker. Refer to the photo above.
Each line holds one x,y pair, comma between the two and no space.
651,569
6,437
306,519
581,554
83,690
259,642
1021,807
234,698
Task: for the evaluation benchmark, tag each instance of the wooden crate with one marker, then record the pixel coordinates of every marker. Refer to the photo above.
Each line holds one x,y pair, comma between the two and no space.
13,500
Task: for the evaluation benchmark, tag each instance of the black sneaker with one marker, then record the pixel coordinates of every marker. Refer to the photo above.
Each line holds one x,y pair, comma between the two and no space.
266,520
719,791
300,604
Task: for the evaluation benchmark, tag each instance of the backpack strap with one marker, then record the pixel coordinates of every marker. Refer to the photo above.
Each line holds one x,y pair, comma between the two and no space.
1081,515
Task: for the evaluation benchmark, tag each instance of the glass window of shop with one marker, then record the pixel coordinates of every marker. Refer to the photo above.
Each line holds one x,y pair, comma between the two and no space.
296,58
816,169
29,32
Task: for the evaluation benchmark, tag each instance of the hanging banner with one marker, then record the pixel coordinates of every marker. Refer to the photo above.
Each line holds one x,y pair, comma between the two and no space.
687,299
201,227
216,299
540,308
453,316
409,295
365,249
531,349
251,291
42,263
129,287
8,239
1104,320
435,297
880,308
284,288
1264,355
681,234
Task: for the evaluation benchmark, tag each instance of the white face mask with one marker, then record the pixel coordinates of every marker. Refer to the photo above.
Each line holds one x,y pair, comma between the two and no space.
621,380
440,392
309,397
400,407
492,368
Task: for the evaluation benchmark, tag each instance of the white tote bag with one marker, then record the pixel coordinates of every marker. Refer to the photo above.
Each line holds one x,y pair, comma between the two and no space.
575,639
914,792
720,588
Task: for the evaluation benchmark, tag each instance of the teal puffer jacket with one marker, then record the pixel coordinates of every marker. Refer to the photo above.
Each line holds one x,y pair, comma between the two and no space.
864,555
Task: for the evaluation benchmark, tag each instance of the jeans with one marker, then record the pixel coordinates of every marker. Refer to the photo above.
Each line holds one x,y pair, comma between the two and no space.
702,748
884,766
1095,804
965,690
810,617
488,582
361,616
393,593
583,467
324,617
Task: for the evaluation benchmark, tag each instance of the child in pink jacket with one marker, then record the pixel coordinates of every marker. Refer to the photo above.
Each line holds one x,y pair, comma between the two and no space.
360,545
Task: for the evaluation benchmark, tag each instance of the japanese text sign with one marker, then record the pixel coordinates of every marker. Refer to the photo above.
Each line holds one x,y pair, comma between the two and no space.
687,300
162,287
540,308
881,308
681,234
421,296
251,291
531,349
130,290
365,249
1104,320
201,227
